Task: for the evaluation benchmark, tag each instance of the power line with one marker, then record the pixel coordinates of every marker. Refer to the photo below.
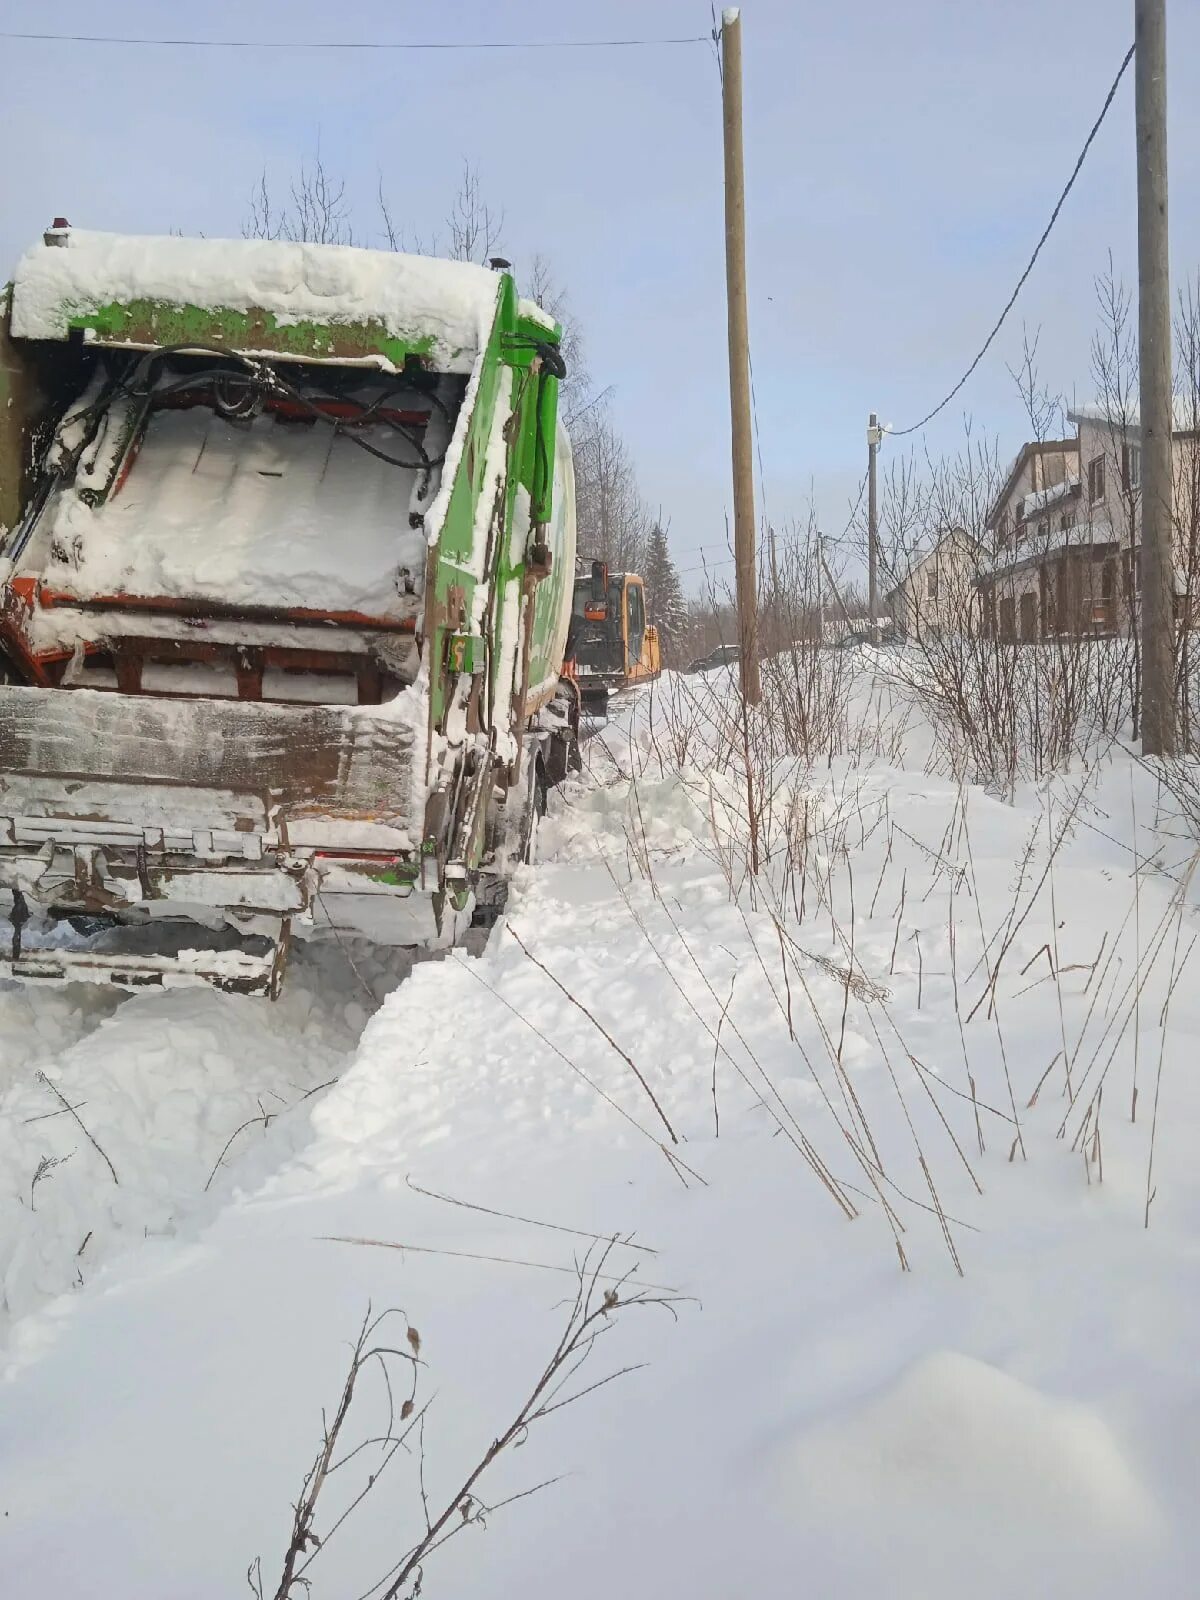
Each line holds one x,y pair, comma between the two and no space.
841,539
706,566
366,44
716,39
1012,299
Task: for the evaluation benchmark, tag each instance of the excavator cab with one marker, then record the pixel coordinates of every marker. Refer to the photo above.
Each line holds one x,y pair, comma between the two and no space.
611,643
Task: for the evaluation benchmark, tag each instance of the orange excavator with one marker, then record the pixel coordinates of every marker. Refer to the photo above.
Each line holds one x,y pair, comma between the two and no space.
610,643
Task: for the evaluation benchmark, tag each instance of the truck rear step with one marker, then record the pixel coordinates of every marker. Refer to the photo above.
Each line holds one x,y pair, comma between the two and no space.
236,970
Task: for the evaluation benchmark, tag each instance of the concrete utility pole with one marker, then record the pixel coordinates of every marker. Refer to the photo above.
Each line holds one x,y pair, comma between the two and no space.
1156,410
739,352
874,435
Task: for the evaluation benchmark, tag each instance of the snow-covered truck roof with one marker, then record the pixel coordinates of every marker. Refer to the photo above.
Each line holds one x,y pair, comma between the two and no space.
306,302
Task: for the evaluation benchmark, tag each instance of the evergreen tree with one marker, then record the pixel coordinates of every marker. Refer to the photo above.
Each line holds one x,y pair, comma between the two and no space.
665,604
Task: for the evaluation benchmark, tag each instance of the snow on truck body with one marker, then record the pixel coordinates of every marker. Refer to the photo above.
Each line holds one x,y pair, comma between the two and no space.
285,587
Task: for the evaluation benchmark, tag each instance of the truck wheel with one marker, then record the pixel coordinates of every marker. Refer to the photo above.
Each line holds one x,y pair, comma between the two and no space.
562,757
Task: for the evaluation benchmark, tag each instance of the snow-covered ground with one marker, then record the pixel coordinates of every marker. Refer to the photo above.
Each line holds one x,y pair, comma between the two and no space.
769,1094
160,1082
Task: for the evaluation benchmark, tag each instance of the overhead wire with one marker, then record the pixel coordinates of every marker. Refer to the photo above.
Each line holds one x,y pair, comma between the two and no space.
706,566
715,40
898,433
862,488
841,540
357,44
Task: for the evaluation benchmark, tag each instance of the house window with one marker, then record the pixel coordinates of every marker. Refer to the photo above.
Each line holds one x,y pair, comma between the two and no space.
1108,580
931,583
1096,479
1131,466
1044,529
1067,521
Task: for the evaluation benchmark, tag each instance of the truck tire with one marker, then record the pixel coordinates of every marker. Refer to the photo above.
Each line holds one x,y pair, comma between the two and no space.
536,811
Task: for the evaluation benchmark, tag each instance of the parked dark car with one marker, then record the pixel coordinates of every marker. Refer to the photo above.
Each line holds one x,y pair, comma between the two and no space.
724,655
887,636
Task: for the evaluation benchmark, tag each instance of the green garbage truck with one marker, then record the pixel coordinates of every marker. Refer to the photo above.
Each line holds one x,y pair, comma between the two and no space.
287,543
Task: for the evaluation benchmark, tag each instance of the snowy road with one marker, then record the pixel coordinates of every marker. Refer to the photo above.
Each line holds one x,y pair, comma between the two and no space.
637,1054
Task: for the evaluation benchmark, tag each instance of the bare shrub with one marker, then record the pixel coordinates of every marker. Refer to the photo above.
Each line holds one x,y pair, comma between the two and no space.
601,1297
1008,708
317,211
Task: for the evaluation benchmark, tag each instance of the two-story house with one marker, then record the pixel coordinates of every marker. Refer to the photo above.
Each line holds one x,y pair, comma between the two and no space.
1111,453
1066,552
933,590
1031,521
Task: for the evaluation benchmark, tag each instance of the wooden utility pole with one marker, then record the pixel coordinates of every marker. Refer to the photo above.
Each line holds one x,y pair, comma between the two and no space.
739,352
1156,409
873,437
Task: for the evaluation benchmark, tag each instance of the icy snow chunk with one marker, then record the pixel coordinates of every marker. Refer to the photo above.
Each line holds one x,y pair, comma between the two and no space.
452,302
532,312
956,1448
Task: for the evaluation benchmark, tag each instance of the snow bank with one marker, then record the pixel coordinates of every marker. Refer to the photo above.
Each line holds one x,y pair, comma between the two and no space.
958,1460
453,302
161,1081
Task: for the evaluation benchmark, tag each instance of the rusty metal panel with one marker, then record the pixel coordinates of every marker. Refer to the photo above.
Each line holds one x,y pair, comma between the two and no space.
323,761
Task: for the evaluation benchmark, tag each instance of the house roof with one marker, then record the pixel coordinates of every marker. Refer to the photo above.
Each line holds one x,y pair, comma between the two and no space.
1186,414
1087,536
918,558
1035,447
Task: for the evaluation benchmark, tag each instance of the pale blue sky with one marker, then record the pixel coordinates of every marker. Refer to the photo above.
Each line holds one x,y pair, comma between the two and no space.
901,162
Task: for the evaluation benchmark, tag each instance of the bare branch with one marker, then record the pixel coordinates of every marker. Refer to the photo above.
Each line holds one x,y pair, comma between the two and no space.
68,1107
